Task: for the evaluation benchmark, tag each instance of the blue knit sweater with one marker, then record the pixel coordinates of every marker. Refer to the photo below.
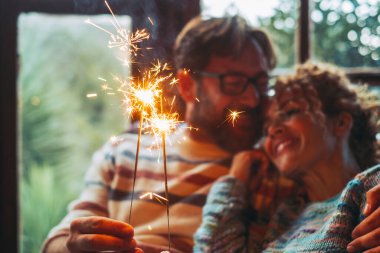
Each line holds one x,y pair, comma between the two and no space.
296,226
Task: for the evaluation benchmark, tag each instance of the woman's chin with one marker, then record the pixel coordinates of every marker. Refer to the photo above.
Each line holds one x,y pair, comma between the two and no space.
288,170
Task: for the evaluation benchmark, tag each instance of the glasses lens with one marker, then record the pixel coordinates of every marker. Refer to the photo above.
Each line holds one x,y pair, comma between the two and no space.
234,84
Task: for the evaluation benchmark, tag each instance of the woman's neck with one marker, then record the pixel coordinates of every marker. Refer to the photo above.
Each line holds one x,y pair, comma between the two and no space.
329,178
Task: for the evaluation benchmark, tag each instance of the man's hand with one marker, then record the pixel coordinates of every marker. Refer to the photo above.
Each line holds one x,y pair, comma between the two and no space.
96,234
366,235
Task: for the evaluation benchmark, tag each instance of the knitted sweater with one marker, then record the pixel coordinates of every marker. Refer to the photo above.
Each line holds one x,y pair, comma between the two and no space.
192,167
297,226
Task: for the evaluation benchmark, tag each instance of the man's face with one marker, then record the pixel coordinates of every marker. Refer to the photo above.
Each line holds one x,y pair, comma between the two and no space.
215,105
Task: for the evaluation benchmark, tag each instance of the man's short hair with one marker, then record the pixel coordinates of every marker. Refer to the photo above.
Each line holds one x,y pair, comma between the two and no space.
225,37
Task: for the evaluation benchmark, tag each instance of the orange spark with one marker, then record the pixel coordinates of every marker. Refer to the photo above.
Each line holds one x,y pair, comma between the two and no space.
233,116
152,195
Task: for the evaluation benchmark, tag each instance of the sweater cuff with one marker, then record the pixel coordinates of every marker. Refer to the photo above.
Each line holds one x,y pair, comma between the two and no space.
229,186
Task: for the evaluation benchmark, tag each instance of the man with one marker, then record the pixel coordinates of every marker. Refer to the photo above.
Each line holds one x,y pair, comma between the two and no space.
222,66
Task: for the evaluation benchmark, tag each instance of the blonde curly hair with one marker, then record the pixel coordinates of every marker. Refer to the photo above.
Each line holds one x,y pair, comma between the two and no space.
329,92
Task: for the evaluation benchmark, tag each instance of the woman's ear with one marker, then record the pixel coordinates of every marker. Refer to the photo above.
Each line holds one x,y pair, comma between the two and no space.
343,124
186,86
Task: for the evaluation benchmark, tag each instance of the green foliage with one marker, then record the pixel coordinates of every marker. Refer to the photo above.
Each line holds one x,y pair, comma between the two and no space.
44,199
60,61
347,32
344,32
282,27
59,65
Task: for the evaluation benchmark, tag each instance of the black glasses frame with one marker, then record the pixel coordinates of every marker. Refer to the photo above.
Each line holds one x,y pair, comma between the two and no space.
249,80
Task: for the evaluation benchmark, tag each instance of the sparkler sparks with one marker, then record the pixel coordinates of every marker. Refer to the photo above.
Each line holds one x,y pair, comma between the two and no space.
144,96
155,195
233,116
150,20
91,95
163,123
122,39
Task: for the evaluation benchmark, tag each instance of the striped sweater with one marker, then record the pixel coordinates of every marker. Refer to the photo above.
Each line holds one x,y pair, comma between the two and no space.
296,226
192,167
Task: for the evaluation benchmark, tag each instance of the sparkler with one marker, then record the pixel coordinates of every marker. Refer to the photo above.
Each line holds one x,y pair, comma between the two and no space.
162,125
155,195
232,117
142,96
122,39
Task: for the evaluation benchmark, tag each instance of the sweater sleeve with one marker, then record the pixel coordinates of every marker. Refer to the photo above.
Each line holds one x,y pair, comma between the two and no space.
224,227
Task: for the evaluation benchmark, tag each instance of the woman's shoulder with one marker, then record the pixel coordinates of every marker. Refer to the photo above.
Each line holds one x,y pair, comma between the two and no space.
363,182
370,174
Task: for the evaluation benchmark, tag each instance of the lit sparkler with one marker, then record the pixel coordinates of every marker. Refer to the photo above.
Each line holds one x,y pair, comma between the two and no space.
91,95
233,117
163,123
143,96
155,195
122,39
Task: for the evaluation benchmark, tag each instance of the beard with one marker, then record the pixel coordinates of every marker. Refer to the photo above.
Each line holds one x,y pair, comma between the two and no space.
232,137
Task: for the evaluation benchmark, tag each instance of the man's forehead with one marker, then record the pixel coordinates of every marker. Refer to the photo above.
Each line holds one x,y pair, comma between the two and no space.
250,60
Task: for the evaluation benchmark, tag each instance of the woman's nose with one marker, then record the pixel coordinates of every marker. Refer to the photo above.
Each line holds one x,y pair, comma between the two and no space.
275,129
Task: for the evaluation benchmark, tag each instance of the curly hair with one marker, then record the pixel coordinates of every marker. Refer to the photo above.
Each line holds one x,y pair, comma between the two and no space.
335,94
203,38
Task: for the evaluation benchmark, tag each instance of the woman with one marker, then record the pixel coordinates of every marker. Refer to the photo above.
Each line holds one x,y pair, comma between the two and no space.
320,133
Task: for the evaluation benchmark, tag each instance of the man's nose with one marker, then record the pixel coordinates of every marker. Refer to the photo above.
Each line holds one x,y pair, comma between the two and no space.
250,97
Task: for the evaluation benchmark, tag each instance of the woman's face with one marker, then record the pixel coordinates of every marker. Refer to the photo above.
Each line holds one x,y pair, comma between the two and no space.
296,136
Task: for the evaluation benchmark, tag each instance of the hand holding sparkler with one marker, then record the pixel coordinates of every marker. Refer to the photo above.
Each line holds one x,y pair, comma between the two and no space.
97,234
139,96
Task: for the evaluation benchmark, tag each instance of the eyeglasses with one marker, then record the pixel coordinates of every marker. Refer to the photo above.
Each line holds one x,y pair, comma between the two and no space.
235,83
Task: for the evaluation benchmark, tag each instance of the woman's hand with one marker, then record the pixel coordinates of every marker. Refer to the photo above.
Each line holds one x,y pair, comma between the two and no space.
243,164
95,234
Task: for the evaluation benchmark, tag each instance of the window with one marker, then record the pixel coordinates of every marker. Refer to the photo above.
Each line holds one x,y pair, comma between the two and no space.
347,33
343,32
277,17
64,114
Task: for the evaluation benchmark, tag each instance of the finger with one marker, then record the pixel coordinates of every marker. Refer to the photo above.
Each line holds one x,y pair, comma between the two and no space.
367,241
368,224
138,250
262,158
241,165
101,225
97,242
373,200
374,250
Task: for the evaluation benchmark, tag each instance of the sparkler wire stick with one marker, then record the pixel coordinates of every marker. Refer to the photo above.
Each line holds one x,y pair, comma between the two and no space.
166,186
113,15
136,163
166,177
